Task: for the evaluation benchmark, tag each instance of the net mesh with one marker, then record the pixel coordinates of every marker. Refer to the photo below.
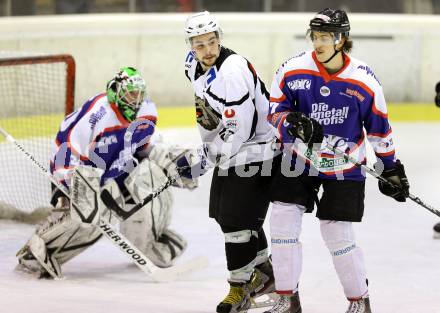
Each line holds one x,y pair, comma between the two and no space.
33,103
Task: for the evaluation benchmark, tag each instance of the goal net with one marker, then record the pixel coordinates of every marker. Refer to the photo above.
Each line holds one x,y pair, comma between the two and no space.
36,92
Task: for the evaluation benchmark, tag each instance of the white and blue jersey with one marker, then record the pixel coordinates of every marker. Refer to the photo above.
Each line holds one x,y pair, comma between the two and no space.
231,107
98,135
344,103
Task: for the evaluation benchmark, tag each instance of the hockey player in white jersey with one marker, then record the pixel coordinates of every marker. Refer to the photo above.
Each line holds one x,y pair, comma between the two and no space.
231,104
319,100
109,138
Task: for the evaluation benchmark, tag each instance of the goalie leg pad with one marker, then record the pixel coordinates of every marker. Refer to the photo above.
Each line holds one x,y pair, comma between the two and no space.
85,203
148,224
56,241
169,246
348,259
285,229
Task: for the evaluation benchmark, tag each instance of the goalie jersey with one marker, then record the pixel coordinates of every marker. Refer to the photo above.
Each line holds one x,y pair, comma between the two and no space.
231,105
344,103
98,135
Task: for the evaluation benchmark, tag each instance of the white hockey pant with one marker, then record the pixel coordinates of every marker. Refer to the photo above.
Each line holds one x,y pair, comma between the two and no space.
285,229
347,258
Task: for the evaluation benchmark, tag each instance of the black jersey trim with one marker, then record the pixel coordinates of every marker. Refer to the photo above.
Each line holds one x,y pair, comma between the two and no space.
254,121
199,71
224,54
223,101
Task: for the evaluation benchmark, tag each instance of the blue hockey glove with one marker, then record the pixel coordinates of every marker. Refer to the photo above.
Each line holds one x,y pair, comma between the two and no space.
185,169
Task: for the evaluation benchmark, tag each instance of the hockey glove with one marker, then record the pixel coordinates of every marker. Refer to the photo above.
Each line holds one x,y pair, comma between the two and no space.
304,128
437,96
399,190
194,170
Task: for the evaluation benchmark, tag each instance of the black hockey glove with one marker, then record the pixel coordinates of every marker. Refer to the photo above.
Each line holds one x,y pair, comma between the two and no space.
400,188
437,96
304,128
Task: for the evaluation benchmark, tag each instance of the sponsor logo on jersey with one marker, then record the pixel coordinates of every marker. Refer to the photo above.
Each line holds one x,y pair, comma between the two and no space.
369,72
355,93
386,144
299,84
324,91
232,124
229,113
95,117
230,129
326,116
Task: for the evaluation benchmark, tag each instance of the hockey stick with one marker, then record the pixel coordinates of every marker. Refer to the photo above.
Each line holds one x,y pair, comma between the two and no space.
111,203
136,256
373,173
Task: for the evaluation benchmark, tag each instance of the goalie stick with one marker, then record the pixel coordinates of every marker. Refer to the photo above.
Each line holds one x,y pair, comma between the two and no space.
136,256
373,173
111,203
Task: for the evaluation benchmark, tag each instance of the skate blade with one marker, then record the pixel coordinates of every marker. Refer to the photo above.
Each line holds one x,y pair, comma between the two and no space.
436,235
264,301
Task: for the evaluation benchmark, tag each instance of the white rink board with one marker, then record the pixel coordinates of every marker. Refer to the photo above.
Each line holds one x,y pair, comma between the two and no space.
402,258
402,49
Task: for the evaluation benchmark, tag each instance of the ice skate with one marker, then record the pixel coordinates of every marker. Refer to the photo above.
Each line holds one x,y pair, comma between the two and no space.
264,280
238,299
359,306
437,231
287,304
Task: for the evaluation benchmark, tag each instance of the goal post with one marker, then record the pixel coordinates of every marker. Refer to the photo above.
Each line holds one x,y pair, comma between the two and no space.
36,92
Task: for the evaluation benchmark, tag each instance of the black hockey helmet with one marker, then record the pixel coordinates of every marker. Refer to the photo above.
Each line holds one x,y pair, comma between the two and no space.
331,20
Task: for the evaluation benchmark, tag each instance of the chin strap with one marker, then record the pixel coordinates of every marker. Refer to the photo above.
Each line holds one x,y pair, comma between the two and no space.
334,54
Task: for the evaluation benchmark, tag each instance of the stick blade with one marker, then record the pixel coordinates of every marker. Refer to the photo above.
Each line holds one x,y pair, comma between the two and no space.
180,271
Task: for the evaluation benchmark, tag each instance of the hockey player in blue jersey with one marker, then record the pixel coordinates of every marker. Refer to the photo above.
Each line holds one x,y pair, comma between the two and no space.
320,100
110,136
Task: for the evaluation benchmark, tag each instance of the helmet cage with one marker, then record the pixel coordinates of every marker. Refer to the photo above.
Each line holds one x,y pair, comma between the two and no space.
127,90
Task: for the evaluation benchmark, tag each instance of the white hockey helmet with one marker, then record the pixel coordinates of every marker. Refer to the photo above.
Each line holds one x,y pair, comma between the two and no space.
201,23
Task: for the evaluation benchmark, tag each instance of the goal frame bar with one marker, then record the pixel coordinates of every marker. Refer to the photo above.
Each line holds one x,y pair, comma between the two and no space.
46,59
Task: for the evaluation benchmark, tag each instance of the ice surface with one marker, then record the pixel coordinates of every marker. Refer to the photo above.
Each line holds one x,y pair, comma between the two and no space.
403,261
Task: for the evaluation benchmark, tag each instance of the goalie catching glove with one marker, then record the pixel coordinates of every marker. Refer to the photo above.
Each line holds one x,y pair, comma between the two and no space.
307,129
399,187
167,157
